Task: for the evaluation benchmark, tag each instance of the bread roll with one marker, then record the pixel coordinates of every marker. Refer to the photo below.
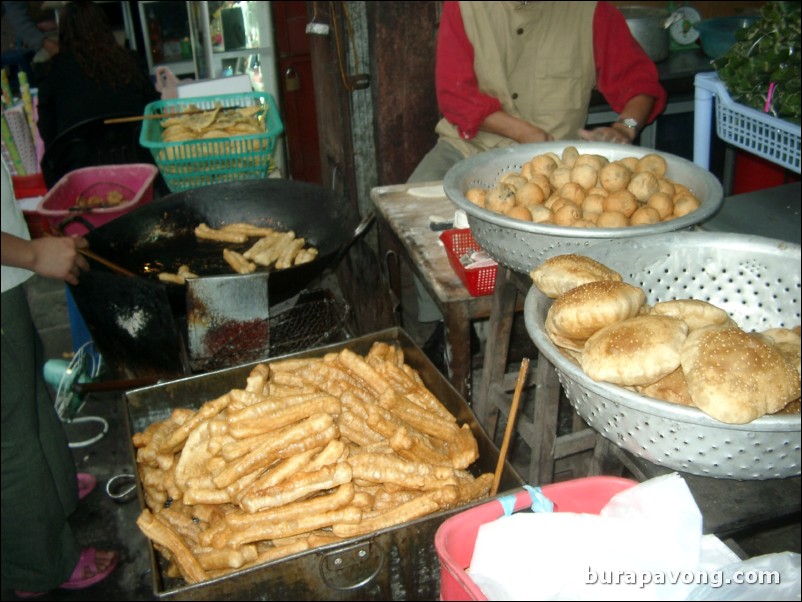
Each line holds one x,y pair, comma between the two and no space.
789,344
695,313
672,388
734,377
637,351
587,308
559,274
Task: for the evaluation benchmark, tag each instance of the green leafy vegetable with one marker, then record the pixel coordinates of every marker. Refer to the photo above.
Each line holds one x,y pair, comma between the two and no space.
767,52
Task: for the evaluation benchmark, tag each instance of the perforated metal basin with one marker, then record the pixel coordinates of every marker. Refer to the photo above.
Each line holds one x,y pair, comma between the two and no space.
521,245
757,281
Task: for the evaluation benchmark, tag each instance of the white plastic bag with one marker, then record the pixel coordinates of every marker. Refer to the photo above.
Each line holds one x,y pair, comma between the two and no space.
647,544
767,577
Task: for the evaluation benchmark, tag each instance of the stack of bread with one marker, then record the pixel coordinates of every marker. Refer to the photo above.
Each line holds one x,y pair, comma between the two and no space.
684,351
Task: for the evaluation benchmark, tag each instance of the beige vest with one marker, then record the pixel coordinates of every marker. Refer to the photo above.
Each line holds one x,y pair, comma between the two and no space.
544,75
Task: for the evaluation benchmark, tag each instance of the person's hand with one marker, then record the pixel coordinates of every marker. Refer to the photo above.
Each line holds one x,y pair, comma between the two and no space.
58,257
534,134
605,134
514,128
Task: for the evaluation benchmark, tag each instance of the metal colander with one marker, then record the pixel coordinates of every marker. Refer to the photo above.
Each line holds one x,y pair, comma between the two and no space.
521,245
757,281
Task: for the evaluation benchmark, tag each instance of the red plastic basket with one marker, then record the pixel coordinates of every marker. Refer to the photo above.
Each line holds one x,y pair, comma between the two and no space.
455,539
479,281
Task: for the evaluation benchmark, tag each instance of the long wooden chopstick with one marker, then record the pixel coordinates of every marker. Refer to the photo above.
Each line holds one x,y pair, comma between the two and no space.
505,445
109,264
152,116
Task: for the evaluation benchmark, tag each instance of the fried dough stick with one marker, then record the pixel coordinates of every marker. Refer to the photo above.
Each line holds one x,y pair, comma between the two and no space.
163,535
304,524
422,505
205,232
297,487
312,432
207,410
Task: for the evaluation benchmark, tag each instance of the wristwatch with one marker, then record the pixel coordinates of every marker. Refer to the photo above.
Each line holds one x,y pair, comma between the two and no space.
630,123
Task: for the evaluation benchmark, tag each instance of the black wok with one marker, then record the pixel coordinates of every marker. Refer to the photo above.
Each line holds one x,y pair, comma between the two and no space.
160,237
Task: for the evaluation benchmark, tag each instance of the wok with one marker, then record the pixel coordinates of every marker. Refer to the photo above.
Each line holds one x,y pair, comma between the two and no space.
129,318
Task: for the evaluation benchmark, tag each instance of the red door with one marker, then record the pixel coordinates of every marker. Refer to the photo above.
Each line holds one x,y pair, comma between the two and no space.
297,90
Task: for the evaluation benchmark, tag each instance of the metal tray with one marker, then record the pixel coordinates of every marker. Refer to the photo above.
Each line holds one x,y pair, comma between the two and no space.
757,281
520,245
399,563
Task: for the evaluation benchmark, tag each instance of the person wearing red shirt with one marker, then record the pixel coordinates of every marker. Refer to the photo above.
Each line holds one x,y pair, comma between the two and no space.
521,72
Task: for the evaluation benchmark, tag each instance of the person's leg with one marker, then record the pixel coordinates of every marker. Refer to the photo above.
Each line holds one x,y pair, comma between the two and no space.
435,164
39,487
432,168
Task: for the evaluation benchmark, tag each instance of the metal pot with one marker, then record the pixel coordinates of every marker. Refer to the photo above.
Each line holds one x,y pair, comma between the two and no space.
648,28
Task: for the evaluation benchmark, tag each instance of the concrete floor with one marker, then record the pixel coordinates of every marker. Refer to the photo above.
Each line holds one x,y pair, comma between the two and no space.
105,523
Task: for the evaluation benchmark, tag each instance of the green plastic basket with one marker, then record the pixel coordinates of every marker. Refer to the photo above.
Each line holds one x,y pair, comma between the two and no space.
196,163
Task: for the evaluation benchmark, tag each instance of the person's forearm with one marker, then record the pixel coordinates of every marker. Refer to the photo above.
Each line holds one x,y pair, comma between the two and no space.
17,252
50,256
638,108
506,125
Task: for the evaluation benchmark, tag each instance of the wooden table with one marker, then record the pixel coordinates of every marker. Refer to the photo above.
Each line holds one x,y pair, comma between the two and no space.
406,239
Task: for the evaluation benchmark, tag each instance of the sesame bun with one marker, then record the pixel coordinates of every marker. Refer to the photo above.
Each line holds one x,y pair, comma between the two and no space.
672,388
637,351
695,313
587,308
558,275
789,344
736,377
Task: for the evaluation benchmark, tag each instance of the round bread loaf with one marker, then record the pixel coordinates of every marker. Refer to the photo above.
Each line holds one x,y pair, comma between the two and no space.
693,312
736,377
587,308
637,351
788,342
672,388
558,275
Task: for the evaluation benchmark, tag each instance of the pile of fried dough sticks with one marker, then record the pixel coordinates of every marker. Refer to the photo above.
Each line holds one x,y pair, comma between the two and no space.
310,452
279,249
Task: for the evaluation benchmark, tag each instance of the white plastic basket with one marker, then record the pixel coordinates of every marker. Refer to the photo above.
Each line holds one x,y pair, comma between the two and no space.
759,133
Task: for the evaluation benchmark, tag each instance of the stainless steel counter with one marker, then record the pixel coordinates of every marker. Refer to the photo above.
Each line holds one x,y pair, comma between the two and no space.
772,212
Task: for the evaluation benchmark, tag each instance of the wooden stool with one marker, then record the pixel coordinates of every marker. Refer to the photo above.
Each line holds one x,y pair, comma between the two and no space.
575,449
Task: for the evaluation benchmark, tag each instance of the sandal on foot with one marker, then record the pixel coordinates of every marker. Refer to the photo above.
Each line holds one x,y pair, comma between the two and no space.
87,572
86,484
